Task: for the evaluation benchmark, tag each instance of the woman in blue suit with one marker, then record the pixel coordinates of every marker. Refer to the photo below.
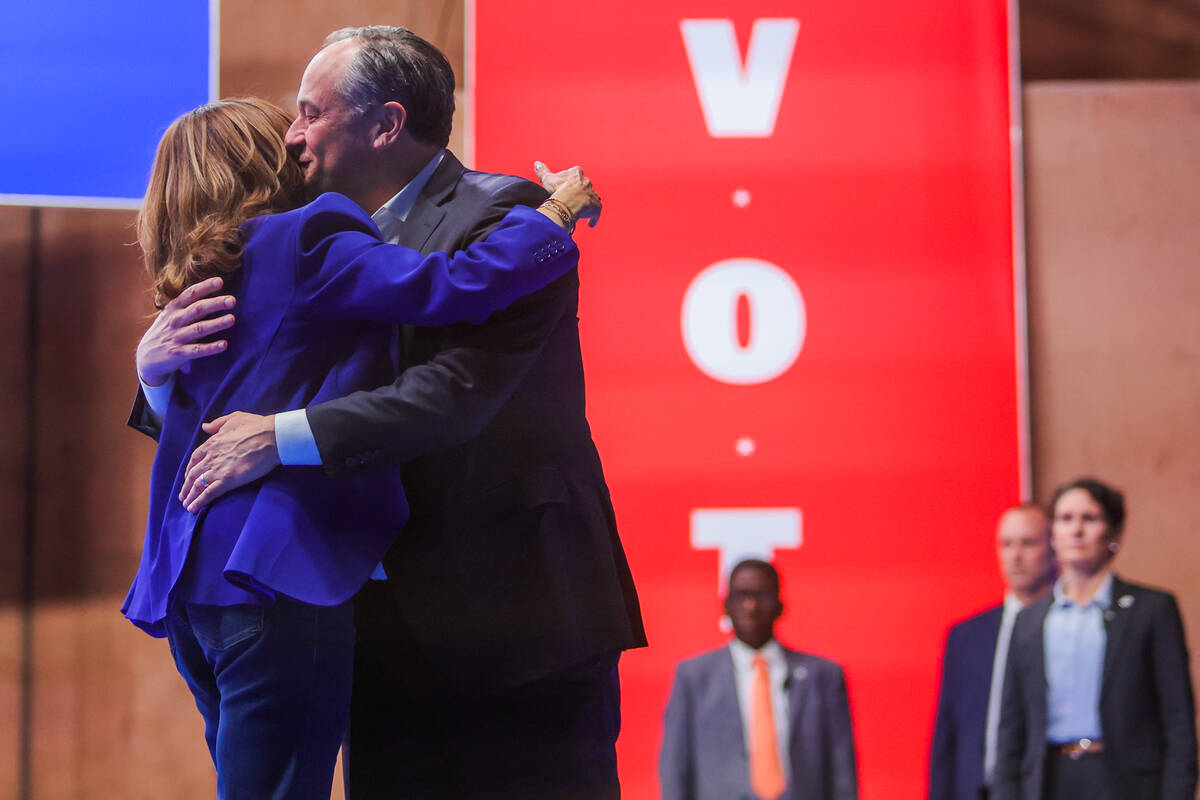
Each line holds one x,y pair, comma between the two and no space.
253,593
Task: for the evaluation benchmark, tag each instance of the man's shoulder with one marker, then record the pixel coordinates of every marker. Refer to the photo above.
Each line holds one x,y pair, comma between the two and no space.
704,662
818,665
1141,597
988,618
486,188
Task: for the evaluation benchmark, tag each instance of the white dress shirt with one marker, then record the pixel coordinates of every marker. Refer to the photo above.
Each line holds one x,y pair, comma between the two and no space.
777,672
1008,618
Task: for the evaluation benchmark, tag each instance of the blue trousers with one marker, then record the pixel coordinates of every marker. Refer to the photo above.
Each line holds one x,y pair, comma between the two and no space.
273,685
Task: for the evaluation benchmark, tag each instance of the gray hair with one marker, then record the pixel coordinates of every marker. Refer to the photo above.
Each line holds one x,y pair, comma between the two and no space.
394,64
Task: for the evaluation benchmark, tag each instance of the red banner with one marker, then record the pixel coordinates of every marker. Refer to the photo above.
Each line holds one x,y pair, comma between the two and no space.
797,316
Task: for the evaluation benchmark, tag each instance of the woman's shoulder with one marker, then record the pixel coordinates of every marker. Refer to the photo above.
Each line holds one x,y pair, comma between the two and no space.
329,213
1126,593
329,203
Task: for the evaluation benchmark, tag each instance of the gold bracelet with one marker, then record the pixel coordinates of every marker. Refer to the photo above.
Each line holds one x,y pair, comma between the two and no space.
558,212
564,213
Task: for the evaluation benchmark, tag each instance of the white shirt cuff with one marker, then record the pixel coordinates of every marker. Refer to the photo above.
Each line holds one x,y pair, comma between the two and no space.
158,397
294,439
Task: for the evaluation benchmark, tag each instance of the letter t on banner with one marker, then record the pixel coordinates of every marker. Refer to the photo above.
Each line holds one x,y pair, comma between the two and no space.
741,533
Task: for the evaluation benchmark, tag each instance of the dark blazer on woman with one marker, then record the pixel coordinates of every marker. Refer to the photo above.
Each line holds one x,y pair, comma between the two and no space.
318,294
1147,711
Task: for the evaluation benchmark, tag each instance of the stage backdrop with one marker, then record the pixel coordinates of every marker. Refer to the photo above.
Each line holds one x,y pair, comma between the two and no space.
797,316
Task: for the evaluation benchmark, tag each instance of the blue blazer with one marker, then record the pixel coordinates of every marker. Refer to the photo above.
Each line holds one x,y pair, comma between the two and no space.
319,295
956,759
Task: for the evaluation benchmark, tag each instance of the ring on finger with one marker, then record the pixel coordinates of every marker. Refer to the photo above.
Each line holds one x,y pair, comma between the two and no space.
203,480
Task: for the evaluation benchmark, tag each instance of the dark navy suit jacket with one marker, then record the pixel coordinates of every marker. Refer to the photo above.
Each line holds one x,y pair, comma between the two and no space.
319,295
956,759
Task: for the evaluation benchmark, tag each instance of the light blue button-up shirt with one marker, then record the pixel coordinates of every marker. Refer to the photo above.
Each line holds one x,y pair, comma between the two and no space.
1074,639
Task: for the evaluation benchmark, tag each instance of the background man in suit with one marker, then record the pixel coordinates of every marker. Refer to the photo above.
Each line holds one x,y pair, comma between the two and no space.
755,719
487,663
968,714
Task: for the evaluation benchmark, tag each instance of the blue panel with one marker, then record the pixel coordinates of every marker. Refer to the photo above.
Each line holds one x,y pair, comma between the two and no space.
87,88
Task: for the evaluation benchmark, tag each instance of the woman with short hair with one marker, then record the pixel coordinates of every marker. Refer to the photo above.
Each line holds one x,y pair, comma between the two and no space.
1098,698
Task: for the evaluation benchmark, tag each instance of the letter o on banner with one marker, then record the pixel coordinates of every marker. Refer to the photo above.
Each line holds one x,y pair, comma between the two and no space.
777,321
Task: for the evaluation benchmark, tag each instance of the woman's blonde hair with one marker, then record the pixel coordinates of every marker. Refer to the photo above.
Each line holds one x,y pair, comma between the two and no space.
215,168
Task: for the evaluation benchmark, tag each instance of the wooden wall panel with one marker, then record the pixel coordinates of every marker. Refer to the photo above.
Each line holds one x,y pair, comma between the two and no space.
110,717
1107,39
266,45
1113,192
14,394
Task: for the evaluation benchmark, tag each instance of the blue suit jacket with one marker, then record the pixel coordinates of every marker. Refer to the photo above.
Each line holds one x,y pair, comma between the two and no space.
319,295
703,753
956,760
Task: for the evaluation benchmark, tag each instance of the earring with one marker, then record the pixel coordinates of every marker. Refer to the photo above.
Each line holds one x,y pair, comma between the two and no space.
1113,547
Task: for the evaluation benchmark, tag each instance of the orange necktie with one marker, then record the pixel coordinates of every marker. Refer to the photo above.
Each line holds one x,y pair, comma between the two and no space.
766,771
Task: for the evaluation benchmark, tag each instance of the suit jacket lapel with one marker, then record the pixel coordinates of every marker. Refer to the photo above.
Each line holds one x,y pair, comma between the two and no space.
1037,662
986,647
799,686
427,212
729,708
1117,622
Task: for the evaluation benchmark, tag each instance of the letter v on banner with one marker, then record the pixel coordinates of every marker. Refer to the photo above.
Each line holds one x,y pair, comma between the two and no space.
739,101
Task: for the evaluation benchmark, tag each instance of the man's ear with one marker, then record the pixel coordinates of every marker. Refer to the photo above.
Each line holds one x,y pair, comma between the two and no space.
389,122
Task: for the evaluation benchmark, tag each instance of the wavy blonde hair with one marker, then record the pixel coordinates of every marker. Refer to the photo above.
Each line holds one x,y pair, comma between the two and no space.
216,167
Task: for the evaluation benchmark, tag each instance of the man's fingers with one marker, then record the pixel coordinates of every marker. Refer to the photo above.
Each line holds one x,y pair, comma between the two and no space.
195,292
206,327
217,424
191,352
204,308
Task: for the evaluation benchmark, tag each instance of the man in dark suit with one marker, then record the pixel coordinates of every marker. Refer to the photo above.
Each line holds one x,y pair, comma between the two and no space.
964,734
755,719
487,662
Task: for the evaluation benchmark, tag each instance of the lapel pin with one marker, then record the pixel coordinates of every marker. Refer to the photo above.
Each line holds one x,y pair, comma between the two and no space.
1125,600
800,673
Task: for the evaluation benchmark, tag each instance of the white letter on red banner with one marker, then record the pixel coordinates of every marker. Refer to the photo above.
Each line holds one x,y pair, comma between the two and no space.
739,101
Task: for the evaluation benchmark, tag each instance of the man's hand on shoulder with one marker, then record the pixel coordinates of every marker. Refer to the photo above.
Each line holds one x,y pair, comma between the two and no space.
241,449
173,339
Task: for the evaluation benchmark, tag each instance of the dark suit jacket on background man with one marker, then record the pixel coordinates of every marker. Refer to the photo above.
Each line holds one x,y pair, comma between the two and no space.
956,760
